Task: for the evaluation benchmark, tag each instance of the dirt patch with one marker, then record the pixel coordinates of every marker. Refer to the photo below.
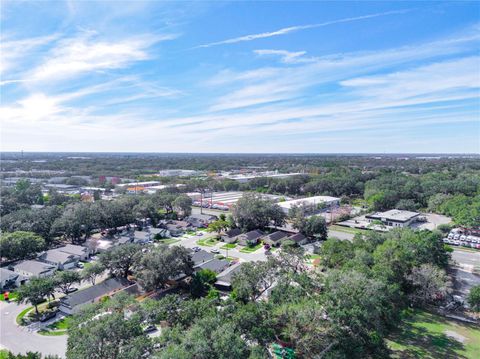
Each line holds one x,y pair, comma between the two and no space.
458,337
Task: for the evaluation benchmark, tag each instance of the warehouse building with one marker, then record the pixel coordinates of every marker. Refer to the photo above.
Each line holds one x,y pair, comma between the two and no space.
313,204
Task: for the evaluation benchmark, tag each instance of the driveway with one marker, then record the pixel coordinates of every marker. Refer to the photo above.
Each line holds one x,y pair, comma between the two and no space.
19,339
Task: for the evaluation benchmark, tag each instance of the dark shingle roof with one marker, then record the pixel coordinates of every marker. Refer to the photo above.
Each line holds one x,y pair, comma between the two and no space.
276,236
252,235
201,257
94,292
7,274
216,265
297,237
225,277
233,232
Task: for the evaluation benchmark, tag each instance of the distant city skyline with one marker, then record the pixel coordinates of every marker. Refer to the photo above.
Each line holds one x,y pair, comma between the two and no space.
226,77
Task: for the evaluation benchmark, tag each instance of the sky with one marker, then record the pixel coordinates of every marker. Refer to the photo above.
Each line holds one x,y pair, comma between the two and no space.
250,77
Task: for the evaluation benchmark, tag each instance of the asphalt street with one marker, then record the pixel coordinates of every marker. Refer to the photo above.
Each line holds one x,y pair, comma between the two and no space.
21,339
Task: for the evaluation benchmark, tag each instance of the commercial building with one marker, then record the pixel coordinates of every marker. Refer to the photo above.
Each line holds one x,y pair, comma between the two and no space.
242,178
313,204
394,217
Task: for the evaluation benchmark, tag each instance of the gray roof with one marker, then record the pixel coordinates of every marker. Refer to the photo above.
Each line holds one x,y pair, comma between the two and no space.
91,293
7,274
34,267
57,256
395,215
298,237
216,265
276,236
233,232
225,277
252,235
124,239
73,249
200,217
201,257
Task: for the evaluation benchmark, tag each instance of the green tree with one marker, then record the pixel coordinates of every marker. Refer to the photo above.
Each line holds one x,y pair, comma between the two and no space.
155,268
430,284
183,203
119,260
92,271
107,336
253,279
253,212
202,282
316,227
35,291
20,245
65,279
474,298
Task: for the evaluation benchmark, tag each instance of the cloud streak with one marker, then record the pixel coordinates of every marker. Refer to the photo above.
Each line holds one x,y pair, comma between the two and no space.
291,29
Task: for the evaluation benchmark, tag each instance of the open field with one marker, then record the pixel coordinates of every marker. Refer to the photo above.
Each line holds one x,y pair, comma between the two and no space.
427,335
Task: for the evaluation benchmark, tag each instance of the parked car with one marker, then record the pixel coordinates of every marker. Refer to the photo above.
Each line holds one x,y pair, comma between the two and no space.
266,246
71,290
196,249
80,265
214,251
48,315
149,329
200,234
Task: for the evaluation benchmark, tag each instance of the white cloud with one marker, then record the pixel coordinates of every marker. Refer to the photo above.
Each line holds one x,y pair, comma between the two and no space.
288,30
85,54
287,57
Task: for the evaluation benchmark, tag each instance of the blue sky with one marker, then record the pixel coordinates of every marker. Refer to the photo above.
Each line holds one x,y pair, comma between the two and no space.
317,77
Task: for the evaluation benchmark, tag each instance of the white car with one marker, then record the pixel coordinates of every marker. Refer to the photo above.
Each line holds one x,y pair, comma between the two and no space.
463,237
456,237
456,242
450,235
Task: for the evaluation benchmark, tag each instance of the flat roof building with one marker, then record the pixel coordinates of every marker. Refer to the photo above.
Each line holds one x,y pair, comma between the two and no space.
312,202
394,217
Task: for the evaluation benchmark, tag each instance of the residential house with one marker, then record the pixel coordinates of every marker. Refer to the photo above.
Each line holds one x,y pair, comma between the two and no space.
201,257
141,237
200,220
298,238
73,302
231,235
215,265
224,279
10,279
82,252
275,238
60,259
250,238
34,269
177,228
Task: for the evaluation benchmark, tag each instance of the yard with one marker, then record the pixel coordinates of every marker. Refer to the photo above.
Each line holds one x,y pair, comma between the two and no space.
427,335
58,328
228,246
207,242
251,249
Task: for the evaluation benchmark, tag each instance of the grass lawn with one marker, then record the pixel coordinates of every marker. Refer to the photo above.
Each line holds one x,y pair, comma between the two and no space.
427,335
22,314
3,354
208,242
228,246
62,324
347,229
52,333
251,249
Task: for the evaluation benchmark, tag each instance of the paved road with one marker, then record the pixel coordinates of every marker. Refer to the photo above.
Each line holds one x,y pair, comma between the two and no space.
340,235
20,340
466,258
